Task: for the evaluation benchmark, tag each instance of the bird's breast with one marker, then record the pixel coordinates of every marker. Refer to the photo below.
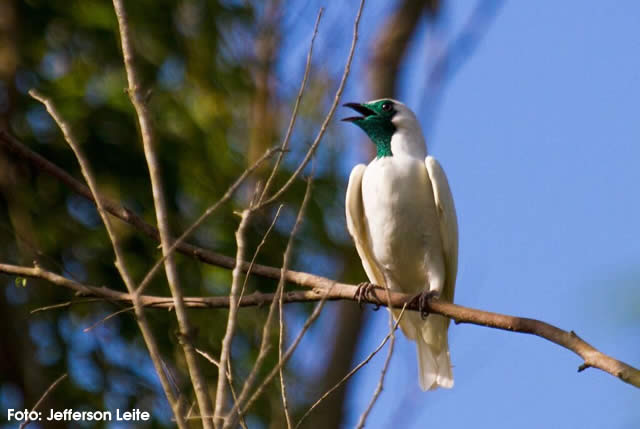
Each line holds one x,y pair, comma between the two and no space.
400,213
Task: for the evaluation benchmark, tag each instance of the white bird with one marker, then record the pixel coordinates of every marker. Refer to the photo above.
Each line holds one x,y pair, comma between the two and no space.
401,215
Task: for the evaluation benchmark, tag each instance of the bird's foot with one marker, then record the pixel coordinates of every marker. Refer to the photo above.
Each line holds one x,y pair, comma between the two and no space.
423,299
365,291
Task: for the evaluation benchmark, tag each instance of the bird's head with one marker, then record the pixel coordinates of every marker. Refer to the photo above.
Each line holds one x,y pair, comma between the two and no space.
383,118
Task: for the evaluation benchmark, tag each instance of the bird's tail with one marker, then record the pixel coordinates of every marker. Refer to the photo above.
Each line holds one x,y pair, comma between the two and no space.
432,341
434,362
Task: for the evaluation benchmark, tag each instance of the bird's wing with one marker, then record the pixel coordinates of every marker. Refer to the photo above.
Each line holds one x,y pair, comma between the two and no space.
448,223
357,226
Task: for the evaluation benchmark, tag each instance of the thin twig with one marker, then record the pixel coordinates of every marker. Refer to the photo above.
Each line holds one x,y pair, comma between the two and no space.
42,398
60,305
257,251
243,423
354,370
231,321
376,393
285,265
189,415
149,145
294,114
147,334
208,357
325,123
104,319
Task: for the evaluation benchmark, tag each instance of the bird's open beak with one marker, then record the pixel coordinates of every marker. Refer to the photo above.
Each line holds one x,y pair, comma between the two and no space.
360,108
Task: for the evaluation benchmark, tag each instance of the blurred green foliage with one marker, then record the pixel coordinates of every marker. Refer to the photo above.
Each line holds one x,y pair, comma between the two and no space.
199,62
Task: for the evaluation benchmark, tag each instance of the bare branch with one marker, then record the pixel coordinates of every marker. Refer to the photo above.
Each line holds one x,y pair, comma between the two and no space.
42,398
320,285
147,334
159,202
231,321
285,265
256,299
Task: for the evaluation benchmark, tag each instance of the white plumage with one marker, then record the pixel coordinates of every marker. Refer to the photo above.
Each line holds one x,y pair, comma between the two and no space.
401,215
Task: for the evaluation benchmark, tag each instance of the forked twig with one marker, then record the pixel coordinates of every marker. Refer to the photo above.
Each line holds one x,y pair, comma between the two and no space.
210,358
231,320
264,342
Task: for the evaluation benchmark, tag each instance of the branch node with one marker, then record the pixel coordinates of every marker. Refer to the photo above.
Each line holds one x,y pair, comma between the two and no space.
585,366
186,337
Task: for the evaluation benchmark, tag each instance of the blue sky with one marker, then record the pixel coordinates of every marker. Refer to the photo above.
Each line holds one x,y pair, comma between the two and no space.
539,135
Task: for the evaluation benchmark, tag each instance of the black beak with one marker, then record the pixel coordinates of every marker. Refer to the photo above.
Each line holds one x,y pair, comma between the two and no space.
364,111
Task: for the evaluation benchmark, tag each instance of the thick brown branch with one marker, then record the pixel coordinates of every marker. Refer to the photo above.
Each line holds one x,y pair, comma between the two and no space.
569,340
108,294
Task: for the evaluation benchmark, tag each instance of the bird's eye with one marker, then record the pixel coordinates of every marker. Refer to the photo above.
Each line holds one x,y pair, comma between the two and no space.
387,107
